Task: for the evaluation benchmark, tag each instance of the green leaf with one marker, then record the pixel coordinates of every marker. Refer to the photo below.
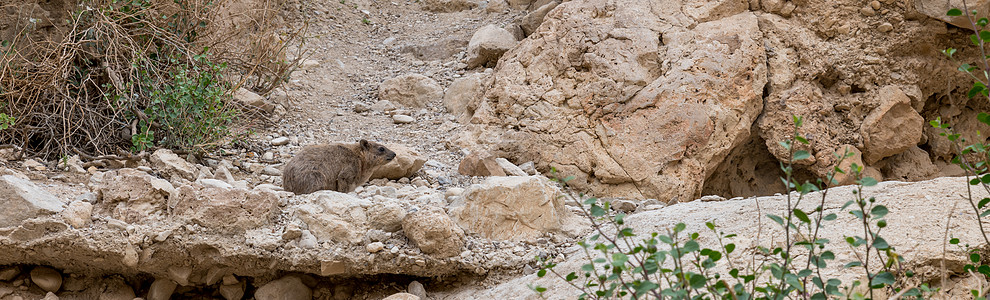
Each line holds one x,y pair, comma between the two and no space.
868,181
884,278
977,88
801,155
955,12
975,258
619,259
830,217
853,264
982,22
983,202
729,248
954,241
697,281
691,246
793,282
801,215
776,218
542,272
801,139
878,211
880,243
597,211
984,35
680,227
828,255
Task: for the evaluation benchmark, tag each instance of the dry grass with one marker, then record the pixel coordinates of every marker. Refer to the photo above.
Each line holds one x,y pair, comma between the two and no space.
85,87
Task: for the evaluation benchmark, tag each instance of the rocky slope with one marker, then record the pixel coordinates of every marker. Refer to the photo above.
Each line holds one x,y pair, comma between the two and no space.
643,102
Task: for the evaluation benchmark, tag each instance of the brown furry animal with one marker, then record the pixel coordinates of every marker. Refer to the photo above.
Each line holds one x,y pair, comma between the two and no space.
336,167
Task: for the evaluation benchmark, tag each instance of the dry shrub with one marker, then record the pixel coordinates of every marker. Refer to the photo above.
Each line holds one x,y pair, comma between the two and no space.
129,75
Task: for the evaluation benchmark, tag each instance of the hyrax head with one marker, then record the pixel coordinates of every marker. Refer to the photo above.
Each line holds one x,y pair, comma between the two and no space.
377,153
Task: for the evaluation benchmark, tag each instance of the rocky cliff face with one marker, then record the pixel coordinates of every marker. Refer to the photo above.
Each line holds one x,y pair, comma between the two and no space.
652,99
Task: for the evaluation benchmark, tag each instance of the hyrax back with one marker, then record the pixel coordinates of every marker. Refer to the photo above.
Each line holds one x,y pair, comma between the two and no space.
336,167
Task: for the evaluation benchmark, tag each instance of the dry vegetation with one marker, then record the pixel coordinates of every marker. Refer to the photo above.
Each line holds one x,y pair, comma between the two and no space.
119,77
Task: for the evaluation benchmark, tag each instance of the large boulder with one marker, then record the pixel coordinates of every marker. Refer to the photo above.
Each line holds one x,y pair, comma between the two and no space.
406,163
518,208
891,128
487,45
410,90
434,232
591,99
463,95
937,9
23,200
480,163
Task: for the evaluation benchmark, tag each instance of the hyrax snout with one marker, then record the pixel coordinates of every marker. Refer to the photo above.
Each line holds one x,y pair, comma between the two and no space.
337,167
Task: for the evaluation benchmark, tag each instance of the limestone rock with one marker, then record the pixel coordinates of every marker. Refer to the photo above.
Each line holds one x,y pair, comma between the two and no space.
402,119
285,288
914,164
180,274
402,296
223,173
406,163
161,289
78,214
480,163
375,247
846,165
229,210
170,164
447,6
417,289
233,291
463,95
117,289
250,99
8,273
410,90
510,168
511,208
891,128
23,200
280,141
333,216
386,216
46,278
613,118
937,9
487,46
434,232
533,19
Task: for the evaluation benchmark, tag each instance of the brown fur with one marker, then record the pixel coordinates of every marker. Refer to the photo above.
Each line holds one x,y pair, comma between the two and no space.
335,167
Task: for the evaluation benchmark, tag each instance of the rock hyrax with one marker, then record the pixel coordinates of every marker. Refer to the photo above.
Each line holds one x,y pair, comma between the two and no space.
337,167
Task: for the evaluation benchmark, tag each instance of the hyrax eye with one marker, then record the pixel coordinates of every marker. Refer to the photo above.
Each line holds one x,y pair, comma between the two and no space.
381,149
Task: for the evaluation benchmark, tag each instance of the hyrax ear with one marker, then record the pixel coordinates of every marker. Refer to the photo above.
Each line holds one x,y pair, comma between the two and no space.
365,144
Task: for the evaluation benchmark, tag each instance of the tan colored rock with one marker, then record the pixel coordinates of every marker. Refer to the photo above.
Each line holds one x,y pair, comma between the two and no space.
914,164
846,165
410,90
78,214
510,168
250,99
937,9
46,278
406,163
533,19
480,163
285,288
417,289
233,291
8,273
180,274
386,216
22,200
518,208
228,210
434,232
170,164
612,118
402,296
463,95
333,216
161,289
447,6
487,46
117,289
891,128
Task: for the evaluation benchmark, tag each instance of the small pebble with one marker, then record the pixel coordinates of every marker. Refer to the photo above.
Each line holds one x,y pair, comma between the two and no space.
280,141
46,278
875,4
271,171
885,27
375,247
402,119
868,11
417,289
